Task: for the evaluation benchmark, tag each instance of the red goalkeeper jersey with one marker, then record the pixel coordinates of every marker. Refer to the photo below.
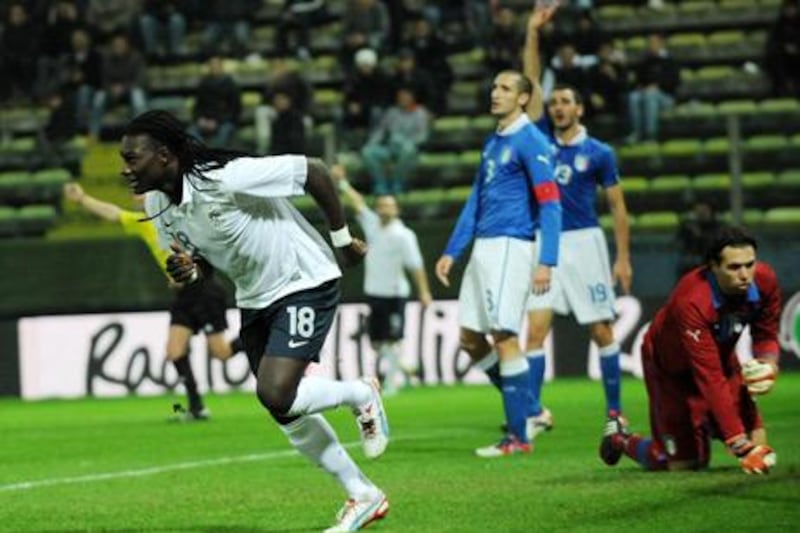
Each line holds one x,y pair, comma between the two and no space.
694,336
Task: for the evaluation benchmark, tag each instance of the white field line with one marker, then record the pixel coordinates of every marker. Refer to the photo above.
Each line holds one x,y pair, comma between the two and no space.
155,470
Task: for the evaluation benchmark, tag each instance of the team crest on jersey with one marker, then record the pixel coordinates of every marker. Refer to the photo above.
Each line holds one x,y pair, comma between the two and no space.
581,163
505,157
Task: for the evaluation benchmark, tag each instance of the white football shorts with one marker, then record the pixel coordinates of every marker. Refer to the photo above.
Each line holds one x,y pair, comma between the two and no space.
582,282
496,285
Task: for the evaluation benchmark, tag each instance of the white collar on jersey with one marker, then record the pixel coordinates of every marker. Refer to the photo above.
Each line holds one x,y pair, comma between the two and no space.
515,126
579,137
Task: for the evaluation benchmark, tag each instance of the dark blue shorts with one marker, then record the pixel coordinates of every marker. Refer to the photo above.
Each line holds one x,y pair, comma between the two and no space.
295,326
386,318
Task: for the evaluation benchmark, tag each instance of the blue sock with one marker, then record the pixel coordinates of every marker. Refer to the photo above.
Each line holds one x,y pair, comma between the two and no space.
516,395
643,453
491,366
610,372
536,363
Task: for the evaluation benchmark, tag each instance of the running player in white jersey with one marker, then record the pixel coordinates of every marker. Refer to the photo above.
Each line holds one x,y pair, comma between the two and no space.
393,254
583,283
513,194
232,212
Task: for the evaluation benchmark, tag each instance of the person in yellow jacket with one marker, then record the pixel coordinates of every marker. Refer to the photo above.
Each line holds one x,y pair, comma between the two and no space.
197,306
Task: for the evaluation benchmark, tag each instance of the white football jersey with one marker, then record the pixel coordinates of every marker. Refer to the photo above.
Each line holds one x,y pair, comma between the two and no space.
241,221
393,249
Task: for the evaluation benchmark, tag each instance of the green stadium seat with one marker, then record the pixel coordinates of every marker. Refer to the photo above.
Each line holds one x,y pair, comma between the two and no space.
668,191
661,221
712,182
15,187
469,64
607,221
435,169
423,204
681,148
9,226
455,198
780,105
766,143
483,124
639,150
35,220
750,217
758,180
737,107
789,178
717,146
787,218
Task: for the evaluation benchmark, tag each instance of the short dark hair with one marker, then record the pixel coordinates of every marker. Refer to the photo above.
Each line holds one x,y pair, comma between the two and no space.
734,236
567,87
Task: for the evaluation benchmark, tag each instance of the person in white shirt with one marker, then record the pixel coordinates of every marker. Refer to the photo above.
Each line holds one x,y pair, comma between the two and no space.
393,252
225,210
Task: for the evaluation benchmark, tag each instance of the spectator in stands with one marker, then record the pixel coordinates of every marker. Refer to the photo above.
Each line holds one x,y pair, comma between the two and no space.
218,104
367,91
473,16
162,25
657,80
395,142
505,41
62,19
588,35
109,18
696,232
608,82
284,77
570,68
53,139
81,69
228,26
288,127
365,24
431,54
122,77
408,74
19,51
297,17
783,50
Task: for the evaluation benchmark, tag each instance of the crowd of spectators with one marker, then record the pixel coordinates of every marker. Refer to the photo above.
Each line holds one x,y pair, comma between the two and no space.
81,58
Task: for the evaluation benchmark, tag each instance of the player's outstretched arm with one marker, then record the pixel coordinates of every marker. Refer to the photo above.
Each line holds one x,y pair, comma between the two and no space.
320,186
531,61
339,176
105,210
622,269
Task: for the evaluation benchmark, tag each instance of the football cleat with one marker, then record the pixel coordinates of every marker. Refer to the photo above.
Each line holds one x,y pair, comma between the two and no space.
358,514
613,442
193,414
536,425
508,446
372,422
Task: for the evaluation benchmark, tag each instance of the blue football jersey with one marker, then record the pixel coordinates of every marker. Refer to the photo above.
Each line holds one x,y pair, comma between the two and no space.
580,167
514,192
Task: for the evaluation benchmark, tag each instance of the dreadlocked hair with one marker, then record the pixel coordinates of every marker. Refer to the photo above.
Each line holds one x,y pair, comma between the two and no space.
194,156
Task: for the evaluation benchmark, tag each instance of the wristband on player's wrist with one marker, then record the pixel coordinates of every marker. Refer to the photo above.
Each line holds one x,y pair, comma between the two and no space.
341,237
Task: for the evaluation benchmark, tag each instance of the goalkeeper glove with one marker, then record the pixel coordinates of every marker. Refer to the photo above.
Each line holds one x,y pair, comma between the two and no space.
759,376
754,459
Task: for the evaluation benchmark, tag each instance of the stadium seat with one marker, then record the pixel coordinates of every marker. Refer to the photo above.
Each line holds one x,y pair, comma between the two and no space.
780,105
9,225
483,125
35,220
425,204
661,221
783,218
607,221
436,169
15,188
469,64
670,191
714,188
737,107
454,199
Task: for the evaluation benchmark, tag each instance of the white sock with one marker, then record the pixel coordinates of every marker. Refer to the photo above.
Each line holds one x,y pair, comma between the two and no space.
388,353
315,394
313,437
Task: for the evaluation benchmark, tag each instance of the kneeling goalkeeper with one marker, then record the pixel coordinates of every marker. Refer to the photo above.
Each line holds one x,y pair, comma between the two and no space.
696,387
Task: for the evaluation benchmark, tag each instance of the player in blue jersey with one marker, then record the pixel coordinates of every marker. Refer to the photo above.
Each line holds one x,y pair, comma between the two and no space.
583,283
513,194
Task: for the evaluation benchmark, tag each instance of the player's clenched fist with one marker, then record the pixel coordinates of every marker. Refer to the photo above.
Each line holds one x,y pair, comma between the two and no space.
181,267
759,376
353,253
754,459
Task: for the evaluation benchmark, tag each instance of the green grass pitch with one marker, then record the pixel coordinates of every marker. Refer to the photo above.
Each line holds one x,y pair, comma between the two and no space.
116,465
